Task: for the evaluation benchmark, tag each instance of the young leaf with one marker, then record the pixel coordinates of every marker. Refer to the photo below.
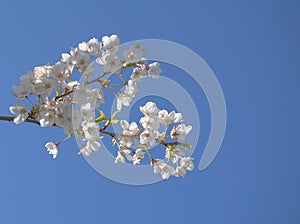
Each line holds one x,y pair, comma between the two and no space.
101,118
185,145
138,46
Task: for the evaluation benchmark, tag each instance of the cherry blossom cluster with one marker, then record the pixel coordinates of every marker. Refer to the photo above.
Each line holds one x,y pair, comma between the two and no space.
135,142
50,96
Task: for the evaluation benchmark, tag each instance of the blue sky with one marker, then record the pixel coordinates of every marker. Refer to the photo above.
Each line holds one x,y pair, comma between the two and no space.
253,48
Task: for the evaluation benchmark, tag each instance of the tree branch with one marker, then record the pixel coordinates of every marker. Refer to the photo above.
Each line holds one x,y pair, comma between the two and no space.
11,118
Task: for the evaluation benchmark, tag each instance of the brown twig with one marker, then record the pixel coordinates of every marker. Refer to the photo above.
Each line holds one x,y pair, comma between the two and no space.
62,95
169,143
11,118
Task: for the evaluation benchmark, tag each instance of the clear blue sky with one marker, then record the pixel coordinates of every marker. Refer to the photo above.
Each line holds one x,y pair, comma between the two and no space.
253,48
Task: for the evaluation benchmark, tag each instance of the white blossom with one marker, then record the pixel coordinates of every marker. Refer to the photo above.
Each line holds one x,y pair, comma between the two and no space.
97,97
46,115
129,129
21,112
174,154
91,130
111,63
41,72
163,117
63,117
175,117
60,71
123,99
70,85
147,136
126,141
154,70
87,111
90,71
180,131
93,47
186,163
150,123
163,168
76,119
26,87
52,149
149,109
85,151
44,86
127,95
82,94
138,156
90,147
66,58
80,59
93,145
132,55
27,78
160,136
138,74
22,90
111,43
131,87
122,154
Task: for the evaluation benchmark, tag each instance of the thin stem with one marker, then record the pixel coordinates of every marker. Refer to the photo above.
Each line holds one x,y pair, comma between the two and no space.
98,78
63,140
149,154
121,145
116,84
109,90
116,89
65,94
112,134
121,78
29,100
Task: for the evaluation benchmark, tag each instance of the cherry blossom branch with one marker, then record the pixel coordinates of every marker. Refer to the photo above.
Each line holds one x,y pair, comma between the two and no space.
102,130
133,142
11,118
30,120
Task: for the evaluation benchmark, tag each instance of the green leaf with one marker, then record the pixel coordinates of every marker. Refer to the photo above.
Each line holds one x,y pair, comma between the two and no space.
185,145
114,114
101,118
114,121
138,46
